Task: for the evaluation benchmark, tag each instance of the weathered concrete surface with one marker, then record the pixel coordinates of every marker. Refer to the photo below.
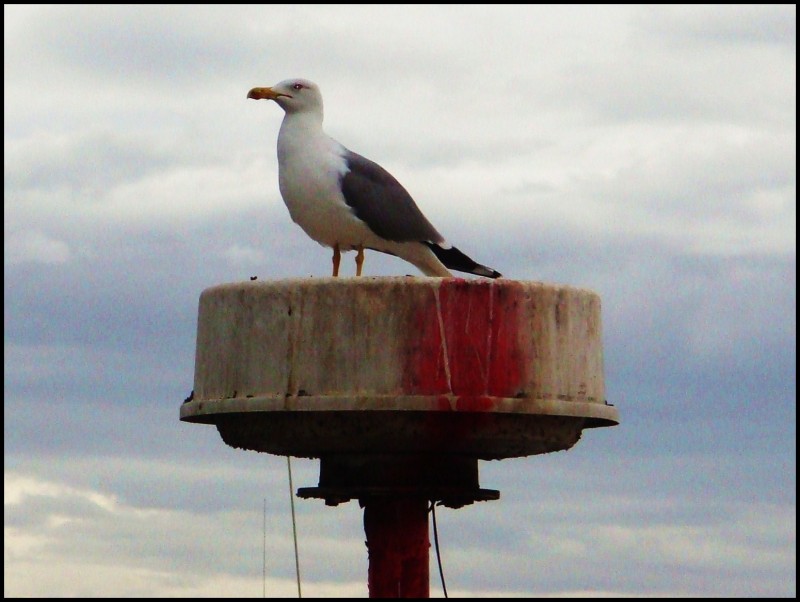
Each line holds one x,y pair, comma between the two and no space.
311,367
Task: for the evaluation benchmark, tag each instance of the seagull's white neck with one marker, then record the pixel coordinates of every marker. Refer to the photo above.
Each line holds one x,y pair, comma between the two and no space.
298,130
310,121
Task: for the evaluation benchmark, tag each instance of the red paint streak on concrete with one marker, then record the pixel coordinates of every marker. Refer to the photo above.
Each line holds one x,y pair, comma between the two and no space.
471,403
466,308
480,320
508,357
443,403
424,371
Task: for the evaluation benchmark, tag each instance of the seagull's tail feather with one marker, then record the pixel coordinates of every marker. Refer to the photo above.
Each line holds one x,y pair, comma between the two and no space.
456,260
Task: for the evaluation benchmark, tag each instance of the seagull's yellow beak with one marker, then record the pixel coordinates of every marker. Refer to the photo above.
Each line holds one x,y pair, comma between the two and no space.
267,93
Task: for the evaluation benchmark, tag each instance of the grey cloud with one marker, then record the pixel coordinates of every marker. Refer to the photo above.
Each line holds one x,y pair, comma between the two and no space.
88,163
134,44
765,24
595,155
706,177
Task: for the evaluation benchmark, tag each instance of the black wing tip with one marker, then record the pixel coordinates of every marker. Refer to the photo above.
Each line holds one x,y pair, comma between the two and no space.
488,272
454,259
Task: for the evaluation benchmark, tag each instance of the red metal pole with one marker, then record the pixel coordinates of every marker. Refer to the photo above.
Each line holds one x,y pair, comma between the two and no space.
398,545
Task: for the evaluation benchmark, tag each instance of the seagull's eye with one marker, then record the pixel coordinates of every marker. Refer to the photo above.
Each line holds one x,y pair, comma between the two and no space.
298,86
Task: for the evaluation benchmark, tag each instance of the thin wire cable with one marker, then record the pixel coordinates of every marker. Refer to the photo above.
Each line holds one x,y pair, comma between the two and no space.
294,528
436,541
264,558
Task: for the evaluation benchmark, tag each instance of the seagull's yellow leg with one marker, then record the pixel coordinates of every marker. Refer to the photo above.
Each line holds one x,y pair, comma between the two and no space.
359,260
337,259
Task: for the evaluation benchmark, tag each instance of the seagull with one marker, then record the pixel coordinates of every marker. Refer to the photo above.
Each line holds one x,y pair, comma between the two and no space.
347,202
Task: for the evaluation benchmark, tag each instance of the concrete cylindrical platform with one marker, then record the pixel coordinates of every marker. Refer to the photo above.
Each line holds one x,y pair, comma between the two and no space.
485,368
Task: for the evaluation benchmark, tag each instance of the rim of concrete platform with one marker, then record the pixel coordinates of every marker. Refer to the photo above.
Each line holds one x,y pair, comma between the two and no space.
206,411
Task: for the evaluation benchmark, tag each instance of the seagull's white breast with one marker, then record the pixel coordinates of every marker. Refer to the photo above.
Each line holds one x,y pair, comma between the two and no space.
310,168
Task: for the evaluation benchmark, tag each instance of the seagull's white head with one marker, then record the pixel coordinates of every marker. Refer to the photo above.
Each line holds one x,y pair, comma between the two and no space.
293,95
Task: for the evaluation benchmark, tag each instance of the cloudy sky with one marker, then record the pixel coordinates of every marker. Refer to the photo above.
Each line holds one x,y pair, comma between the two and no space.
646,153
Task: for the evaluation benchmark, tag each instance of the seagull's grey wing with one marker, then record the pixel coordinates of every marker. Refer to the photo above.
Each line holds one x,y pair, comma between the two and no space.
383,204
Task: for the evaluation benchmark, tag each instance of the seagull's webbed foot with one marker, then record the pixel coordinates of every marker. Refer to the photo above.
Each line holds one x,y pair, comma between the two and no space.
359,260
337,259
